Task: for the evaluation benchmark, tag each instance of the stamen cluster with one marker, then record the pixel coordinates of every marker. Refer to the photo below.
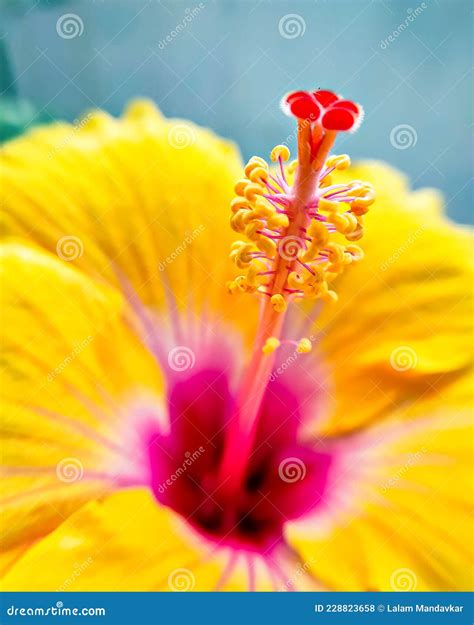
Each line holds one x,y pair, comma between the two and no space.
312,259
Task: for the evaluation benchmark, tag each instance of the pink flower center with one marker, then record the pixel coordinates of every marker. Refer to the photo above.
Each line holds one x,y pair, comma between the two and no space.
284,479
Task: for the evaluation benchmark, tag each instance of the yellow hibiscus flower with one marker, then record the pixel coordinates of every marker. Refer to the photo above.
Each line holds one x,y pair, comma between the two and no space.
169,424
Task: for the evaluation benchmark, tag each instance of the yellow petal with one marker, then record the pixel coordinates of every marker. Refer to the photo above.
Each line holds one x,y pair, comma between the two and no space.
139,198
124,542
69,366
397,515
399,330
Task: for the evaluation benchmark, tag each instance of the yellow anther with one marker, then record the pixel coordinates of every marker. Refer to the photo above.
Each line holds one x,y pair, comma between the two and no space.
267,246
328,205
292,167
358,232
295,280
329,296
252,228
326,181
304,346
363,201
280,151
240,281
359,210
262,208
277,220
315,278
253,190
239,202
254,163
231,287
244,285
359,187
336,253
252,274
345,223
259,174
356,251
271,345
242,256
339,161
310,253
278,303
318,233
238,220
240,185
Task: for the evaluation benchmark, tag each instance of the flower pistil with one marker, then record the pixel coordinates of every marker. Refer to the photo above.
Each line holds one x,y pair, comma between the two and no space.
299,232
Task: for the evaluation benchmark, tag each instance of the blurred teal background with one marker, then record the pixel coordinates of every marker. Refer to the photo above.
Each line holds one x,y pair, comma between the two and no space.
225,64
